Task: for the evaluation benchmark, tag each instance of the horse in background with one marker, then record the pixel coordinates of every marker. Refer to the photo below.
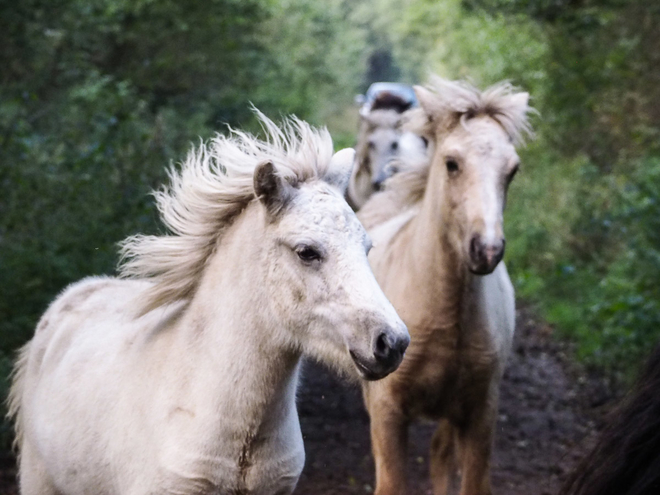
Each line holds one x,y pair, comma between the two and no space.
380,141
626,457
438,242
182,379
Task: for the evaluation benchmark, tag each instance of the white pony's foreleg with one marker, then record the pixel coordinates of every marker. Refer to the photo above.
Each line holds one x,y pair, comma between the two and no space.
33,478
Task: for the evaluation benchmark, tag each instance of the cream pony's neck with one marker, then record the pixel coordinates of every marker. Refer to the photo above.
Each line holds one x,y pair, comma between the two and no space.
434,261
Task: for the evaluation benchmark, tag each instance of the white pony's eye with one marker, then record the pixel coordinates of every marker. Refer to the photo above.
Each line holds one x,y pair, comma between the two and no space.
308,254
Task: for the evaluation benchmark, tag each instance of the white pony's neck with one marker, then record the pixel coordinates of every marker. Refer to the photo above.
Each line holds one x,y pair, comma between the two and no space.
242,379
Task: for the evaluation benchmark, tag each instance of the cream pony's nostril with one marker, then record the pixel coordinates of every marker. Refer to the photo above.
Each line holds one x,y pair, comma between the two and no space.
475,246
485,257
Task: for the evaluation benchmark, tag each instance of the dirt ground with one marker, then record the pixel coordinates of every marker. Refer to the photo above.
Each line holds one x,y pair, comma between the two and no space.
549,411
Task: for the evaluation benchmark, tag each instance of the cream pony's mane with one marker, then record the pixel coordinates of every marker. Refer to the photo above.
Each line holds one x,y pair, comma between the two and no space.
213,185
454,102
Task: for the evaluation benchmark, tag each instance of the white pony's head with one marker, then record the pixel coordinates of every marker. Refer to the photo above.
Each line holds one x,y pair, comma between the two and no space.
308,251
319,276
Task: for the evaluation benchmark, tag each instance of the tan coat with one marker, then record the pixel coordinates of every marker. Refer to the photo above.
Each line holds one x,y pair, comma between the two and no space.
438,239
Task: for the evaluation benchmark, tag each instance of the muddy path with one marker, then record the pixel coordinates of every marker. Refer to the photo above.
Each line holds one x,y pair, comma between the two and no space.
549,412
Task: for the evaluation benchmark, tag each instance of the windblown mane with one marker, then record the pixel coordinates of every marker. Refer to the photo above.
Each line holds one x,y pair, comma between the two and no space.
454,103
213,185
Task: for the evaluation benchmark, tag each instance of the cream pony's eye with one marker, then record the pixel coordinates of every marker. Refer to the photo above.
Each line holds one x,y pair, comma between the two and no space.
452,165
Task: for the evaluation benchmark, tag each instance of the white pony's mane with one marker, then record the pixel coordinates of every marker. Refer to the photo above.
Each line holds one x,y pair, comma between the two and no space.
454,102
213,185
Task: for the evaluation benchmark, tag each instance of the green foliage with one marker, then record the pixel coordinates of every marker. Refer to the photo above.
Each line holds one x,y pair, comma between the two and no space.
601,287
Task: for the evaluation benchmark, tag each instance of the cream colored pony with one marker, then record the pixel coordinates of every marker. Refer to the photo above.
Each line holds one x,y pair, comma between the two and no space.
438,241
182,380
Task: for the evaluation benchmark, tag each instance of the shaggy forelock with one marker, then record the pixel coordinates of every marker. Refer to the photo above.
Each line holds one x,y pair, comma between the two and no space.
459,101
213,185
455,102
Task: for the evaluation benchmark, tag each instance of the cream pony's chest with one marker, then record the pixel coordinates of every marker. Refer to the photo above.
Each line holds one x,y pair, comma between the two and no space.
473,351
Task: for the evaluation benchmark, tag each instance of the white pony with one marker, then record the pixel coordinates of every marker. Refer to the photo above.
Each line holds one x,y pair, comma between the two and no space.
182,380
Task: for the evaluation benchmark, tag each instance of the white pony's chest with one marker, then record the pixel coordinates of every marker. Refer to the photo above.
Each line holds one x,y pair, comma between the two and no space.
266,470
171,457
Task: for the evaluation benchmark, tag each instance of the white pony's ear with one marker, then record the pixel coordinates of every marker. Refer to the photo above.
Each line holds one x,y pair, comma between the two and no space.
428,101
340,168
271,189
520,102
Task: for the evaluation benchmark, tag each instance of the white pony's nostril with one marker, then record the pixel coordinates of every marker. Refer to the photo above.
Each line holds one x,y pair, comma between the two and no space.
402,343
382,346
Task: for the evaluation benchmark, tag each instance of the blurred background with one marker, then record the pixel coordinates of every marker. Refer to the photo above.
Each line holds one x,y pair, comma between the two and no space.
97,97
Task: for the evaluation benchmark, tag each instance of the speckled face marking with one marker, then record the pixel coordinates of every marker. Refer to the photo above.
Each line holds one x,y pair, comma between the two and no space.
331,221
323,287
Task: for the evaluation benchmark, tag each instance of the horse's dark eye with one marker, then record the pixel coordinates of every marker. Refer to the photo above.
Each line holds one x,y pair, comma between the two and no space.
394,145
452,165
308,254
371,145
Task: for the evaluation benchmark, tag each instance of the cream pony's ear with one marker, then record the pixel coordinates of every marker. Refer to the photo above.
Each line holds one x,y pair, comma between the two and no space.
340,168
270,188
428,101
520,101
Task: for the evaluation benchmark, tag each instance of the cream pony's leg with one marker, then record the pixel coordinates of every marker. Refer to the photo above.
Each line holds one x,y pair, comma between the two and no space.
476,447
443,458
33,478
389,437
